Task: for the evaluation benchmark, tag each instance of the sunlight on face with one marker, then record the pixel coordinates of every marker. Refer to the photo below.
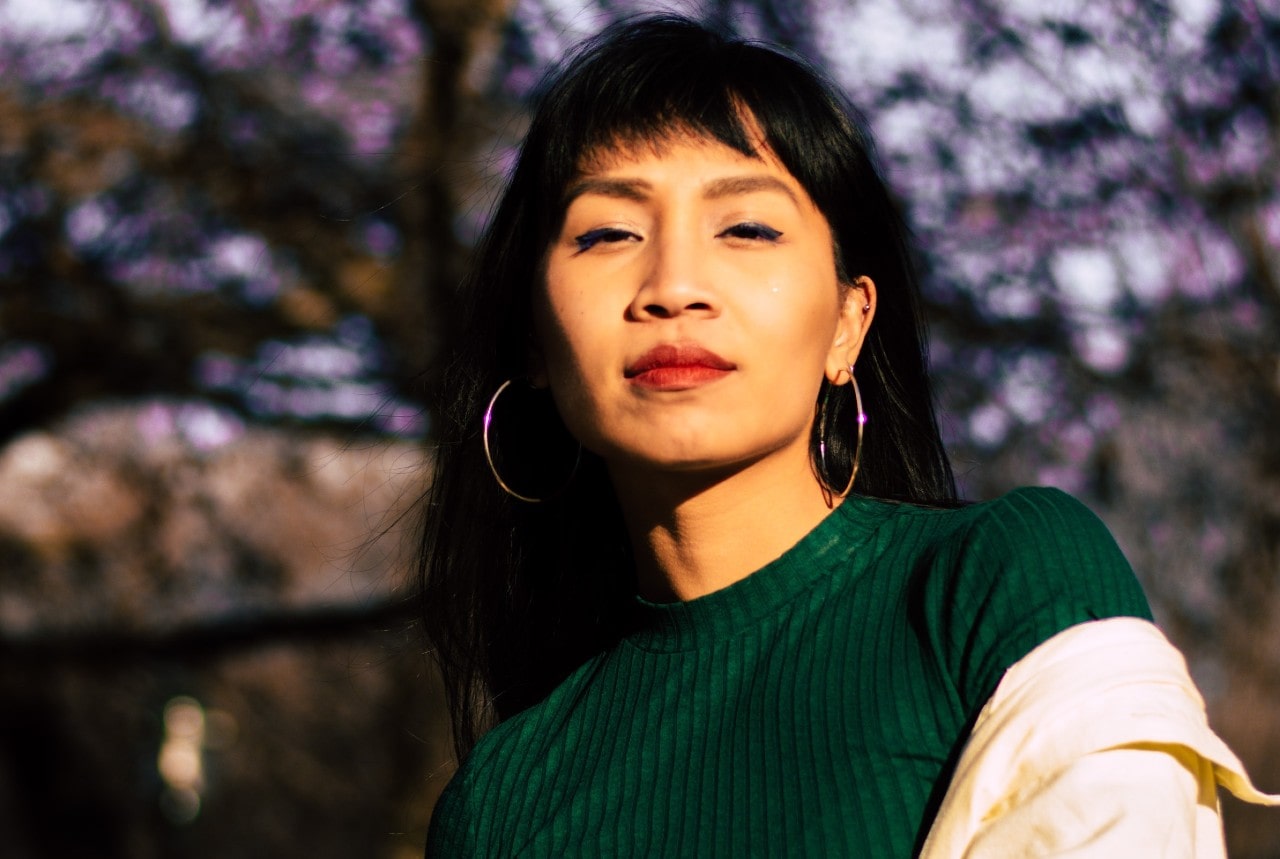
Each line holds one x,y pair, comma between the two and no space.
691,308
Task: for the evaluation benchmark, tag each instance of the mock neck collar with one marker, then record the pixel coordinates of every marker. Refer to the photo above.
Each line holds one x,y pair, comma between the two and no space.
832,543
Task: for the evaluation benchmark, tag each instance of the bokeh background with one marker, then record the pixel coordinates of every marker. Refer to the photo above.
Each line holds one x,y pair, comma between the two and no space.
229,233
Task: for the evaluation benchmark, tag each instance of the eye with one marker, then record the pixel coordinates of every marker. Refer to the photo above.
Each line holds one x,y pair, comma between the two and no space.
751,232
610,235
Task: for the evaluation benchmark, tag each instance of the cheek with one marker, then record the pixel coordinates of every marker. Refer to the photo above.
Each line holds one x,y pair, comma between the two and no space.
573,360
564,338
805,310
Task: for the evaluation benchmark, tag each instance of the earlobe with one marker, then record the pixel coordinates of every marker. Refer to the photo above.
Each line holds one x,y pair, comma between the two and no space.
839,377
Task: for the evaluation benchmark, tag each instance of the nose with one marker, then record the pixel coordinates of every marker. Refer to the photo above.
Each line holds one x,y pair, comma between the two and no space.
674,281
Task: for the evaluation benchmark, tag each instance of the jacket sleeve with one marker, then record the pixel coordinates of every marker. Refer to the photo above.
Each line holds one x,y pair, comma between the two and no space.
1095,743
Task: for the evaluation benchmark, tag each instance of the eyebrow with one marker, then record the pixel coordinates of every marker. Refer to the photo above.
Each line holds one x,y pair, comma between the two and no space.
735,185
622,189
639,190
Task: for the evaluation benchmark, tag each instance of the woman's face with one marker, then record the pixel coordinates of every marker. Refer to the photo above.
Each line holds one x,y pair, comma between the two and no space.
690,308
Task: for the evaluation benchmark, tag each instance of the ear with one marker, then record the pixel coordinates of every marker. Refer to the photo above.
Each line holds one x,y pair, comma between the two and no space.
857,309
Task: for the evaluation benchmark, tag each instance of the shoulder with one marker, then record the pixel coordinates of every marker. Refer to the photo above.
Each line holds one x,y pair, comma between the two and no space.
1028,511
484,809
451,832
999,577
1041,540
1057,522
1031,538
467,820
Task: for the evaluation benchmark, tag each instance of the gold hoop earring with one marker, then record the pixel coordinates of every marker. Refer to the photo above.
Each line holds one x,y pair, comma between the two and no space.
488,455
822,439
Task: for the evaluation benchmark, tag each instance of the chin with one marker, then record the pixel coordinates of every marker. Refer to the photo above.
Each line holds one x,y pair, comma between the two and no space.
690,446
711,463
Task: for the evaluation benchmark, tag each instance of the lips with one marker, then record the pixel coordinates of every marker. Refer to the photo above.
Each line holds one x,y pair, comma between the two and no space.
678,367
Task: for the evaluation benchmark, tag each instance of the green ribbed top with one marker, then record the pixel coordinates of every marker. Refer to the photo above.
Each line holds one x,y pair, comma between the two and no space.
814,708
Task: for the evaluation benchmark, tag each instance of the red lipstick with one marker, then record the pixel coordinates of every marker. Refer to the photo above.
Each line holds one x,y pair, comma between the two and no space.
677,367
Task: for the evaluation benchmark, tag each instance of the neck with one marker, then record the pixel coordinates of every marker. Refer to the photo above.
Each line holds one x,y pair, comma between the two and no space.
694,534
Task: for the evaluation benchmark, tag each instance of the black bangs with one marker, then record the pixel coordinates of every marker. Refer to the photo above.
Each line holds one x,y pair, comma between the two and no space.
665,76
660,77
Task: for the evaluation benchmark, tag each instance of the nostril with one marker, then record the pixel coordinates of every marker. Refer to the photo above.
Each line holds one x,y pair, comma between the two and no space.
667,311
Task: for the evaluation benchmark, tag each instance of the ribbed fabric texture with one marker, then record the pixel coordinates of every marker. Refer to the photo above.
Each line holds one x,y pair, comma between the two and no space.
815,708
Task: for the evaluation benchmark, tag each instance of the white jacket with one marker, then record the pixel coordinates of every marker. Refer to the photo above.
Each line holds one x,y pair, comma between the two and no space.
1094,744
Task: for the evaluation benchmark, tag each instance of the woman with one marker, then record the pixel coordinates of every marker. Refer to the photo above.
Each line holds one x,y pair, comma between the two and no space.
697,606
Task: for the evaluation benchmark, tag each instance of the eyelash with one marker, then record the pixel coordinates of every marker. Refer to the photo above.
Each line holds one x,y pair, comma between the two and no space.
588,240
748,231
752,231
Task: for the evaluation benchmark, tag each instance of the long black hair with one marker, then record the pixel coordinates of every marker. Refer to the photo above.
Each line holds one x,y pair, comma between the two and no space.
514,595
